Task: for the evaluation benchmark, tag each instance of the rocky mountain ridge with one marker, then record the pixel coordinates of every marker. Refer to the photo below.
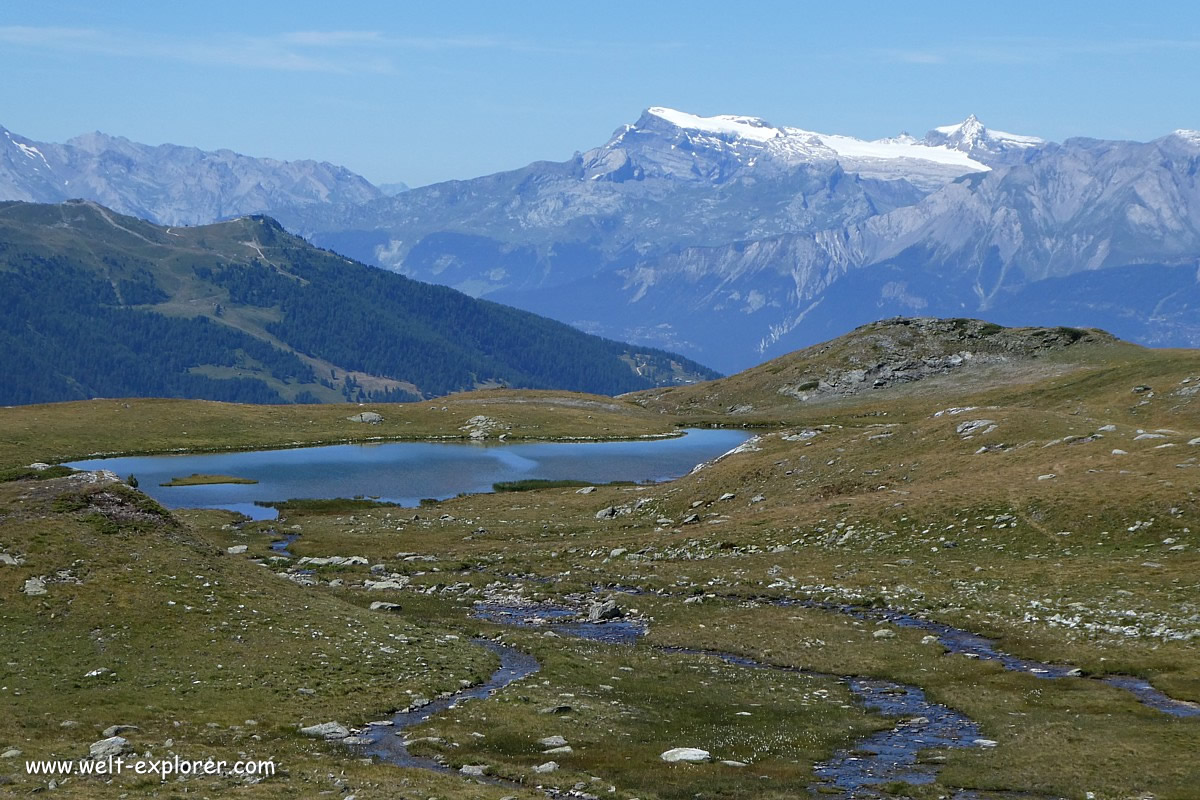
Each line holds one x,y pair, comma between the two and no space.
168,184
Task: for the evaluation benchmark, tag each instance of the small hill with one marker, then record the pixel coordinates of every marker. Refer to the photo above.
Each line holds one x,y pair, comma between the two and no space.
898,355
100,304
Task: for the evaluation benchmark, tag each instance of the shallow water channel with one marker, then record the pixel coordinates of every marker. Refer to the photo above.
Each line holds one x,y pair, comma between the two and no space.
889,755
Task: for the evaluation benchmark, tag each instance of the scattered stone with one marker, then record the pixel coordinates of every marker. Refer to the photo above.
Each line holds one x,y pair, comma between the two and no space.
558,751
1075,673
10,560
333,561
608,609
1142,436
884,633
691,755
396,582
733,764
691,519
236,550
326,730
607,513
35,586
369,417
549,766
10,753
478,770
357,740
758,498
552,741
117,730
111,747
585,490
974,426
1048,476
727,496
930,639
556,710
985,742
380,605
617,552
1141,389
1119,452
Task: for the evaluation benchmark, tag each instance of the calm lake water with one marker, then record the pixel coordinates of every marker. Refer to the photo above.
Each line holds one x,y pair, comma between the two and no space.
406,472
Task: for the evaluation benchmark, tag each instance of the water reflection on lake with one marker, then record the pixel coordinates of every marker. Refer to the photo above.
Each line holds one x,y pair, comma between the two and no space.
406,472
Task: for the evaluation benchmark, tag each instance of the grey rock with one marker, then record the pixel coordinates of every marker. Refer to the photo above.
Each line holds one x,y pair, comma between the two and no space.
117,730
478,770
692,755
605,610
369,417
326,730
380,605
110,747
549,766
236,550
552,741
10,753
35,587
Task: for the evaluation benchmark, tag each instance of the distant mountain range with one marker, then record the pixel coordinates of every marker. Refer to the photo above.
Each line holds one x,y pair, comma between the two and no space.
732,240
168,184
96,304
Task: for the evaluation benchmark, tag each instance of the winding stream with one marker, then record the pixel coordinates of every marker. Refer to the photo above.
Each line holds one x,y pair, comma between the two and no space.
387,742
966,643
889,755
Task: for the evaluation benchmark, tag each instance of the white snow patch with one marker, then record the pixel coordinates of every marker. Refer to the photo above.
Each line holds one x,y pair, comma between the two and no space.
745,127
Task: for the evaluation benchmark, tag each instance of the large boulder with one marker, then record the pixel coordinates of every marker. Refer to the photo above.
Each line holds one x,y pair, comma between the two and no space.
110,748
691,755
326,730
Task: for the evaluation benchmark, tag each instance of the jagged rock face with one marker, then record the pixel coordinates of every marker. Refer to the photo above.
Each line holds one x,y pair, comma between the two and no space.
168,184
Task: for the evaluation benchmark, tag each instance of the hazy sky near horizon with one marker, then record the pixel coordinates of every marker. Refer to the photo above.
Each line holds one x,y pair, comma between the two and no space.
432,91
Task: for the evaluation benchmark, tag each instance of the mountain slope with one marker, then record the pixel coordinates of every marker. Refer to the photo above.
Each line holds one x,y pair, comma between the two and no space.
168,184
667,181
982,244
98,304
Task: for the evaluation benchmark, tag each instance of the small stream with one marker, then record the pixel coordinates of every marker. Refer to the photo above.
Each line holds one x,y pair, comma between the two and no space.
387,742
963,642
889,755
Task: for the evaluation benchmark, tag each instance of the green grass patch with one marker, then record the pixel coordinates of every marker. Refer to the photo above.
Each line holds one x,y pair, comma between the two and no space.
197,479
530,484
27,474
332,505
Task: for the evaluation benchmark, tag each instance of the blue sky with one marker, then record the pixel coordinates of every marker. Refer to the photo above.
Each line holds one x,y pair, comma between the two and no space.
433,91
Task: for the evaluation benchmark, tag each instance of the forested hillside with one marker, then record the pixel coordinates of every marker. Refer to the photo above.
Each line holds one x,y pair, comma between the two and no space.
97,304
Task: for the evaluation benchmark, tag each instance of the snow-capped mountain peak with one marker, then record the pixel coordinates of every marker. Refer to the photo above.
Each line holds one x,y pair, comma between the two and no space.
667,142
980,142
752,128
